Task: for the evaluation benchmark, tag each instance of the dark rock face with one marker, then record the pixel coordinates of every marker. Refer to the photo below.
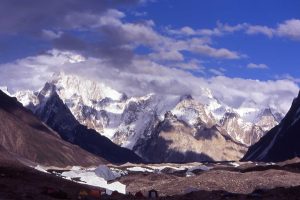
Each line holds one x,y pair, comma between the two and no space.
58,116
22,135
282,142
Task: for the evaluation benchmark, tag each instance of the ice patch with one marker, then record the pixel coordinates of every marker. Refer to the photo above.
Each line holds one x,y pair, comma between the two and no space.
41,169
201,167
91,178
139,169
76,168
235,164
104,172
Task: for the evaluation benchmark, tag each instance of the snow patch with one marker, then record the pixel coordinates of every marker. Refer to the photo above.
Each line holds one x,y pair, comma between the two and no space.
139,169
5,90
41,169
93,177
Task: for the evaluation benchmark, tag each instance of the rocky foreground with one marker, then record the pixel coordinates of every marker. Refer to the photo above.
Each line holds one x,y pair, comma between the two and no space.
217,181
222,180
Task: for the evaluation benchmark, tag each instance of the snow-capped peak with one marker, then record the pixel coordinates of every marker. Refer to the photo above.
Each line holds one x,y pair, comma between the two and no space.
26,98
70,85
128,120
5,90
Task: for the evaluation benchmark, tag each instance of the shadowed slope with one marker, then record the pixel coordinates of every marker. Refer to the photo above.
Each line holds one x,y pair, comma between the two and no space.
21,133
282,142
57,115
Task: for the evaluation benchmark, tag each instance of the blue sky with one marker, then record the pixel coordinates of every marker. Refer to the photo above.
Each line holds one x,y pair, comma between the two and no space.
250,47
281,55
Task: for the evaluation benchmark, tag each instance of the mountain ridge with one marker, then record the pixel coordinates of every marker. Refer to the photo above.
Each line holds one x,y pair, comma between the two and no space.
24,135
281,142
130,121
58,116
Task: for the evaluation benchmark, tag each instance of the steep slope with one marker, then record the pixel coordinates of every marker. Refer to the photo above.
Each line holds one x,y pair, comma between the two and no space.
7,158
243,132
174,140
124,120
280,143
21,133
268,119
56,114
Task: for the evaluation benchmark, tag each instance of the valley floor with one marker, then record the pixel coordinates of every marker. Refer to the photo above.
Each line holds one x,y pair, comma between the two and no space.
186,181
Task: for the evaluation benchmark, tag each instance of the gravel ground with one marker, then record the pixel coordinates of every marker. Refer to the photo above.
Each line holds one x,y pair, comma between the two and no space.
238,180
250,181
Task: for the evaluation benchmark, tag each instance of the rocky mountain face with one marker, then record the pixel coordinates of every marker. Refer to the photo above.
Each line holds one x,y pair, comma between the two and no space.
57,115
24,136
174,140
281,142
244,132
133,122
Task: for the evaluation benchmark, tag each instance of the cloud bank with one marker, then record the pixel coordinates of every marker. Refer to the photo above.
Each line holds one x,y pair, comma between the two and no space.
145,76
96,40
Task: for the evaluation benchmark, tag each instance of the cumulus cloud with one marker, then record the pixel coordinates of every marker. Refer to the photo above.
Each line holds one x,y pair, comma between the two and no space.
192,65
257,66
216,53
239,92
288,77
288,29
171,55
255,29
32,72
99,29
220,30
96,40
188,31
145,76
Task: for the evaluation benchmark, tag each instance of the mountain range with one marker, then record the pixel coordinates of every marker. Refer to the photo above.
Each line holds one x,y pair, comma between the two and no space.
181,127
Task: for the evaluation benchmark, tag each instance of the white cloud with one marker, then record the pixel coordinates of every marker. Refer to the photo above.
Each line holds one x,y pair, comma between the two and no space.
255,29
288,77
216,53
226,28
172,55
48,34
193,65
220,30
32,72
144,76
257,66
122,34
287,29
290,29
238,91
